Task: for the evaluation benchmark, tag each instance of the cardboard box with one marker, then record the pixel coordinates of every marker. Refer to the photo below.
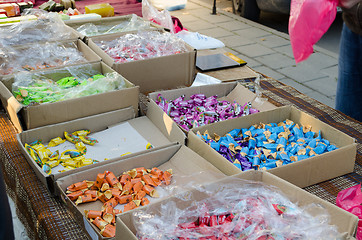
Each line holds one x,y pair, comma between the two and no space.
166,72
226,91
106,22
88,54
302,173
145,126
186,165
345,221
29,117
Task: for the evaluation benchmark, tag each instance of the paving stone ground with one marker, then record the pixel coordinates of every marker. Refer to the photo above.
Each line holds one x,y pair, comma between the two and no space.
266,50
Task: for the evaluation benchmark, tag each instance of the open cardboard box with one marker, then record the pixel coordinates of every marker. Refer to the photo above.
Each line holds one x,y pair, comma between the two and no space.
146,126
225,91
166,72
345,221
32,116
109,22
186,165
89,55
301,173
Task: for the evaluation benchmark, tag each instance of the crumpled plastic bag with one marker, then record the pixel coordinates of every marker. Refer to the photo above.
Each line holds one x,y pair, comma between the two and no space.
350,200
308,21
162,18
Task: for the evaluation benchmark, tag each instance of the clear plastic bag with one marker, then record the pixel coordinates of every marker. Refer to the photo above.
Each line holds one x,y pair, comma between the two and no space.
308,21
142,45
62,84
238,209
134,23
39,56
162,18
48,27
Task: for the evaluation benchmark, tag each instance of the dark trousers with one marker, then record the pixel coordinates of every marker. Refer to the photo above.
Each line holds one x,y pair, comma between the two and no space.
349,87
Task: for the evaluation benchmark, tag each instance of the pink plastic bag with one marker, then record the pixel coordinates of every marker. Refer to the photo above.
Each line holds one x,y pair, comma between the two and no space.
350,200
308,21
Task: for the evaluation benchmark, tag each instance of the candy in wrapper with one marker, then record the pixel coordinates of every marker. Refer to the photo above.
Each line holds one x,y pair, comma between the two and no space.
139,195
74,195
127,188
148,180
150,191
167,175
82,133
109,231
92,214
54,156
56,141
131,205
100,223
81,147
72,153
149,146
53,163
124,199
100,180
47,169
88,140
78,186
112,180
33,154
85,198
144,201
71,138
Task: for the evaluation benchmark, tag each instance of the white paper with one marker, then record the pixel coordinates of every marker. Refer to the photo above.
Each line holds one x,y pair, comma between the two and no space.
112,142
203,79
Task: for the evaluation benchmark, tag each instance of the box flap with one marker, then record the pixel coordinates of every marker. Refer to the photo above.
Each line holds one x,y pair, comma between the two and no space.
165,124
11,105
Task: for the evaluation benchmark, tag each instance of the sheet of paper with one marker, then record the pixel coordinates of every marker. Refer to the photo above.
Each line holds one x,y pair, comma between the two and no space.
112,142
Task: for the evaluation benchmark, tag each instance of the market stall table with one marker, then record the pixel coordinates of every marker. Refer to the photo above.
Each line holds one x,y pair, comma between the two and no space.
46,217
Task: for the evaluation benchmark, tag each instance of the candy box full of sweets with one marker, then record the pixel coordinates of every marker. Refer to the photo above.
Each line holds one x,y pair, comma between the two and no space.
249,205
153,60
40,98
61,149
197,106
286,142
184,167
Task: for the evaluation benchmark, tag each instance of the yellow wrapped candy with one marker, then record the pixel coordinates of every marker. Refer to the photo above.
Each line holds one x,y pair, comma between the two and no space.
70,163
71,138
67,168
56,141
44,154
81,133
81,147
53,163
88,140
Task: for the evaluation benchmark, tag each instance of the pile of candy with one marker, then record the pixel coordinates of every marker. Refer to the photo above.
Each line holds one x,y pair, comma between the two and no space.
130,189
231,211
201,110
69,159
46,90
143,45
266,146
40,56
134,23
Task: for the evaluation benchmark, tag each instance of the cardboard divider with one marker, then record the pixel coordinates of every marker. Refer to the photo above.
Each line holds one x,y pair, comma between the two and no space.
226,91
302,173
165,72
186,165
33,116
345,221
143,125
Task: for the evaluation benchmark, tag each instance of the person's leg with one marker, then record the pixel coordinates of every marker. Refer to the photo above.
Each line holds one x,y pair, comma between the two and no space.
349,87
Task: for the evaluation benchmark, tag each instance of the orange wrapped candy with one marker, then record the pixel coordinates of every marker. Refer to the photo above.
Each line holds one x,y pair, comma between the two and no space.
145,201
167,177
150,191
109,231
115,192
137,187
92,214
78,186
100,223
127,188
85,198
141,194
94,193
100,180
124,199
157,172
74,195
131,205
148,180
125,178
135,180
155,179
112,180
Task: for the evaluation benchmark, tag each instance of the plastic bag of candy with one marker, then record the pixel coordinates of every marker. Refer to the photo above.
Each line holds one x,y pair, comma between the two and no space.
238,209
47,27
142,45
62,84
132,24
39,56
